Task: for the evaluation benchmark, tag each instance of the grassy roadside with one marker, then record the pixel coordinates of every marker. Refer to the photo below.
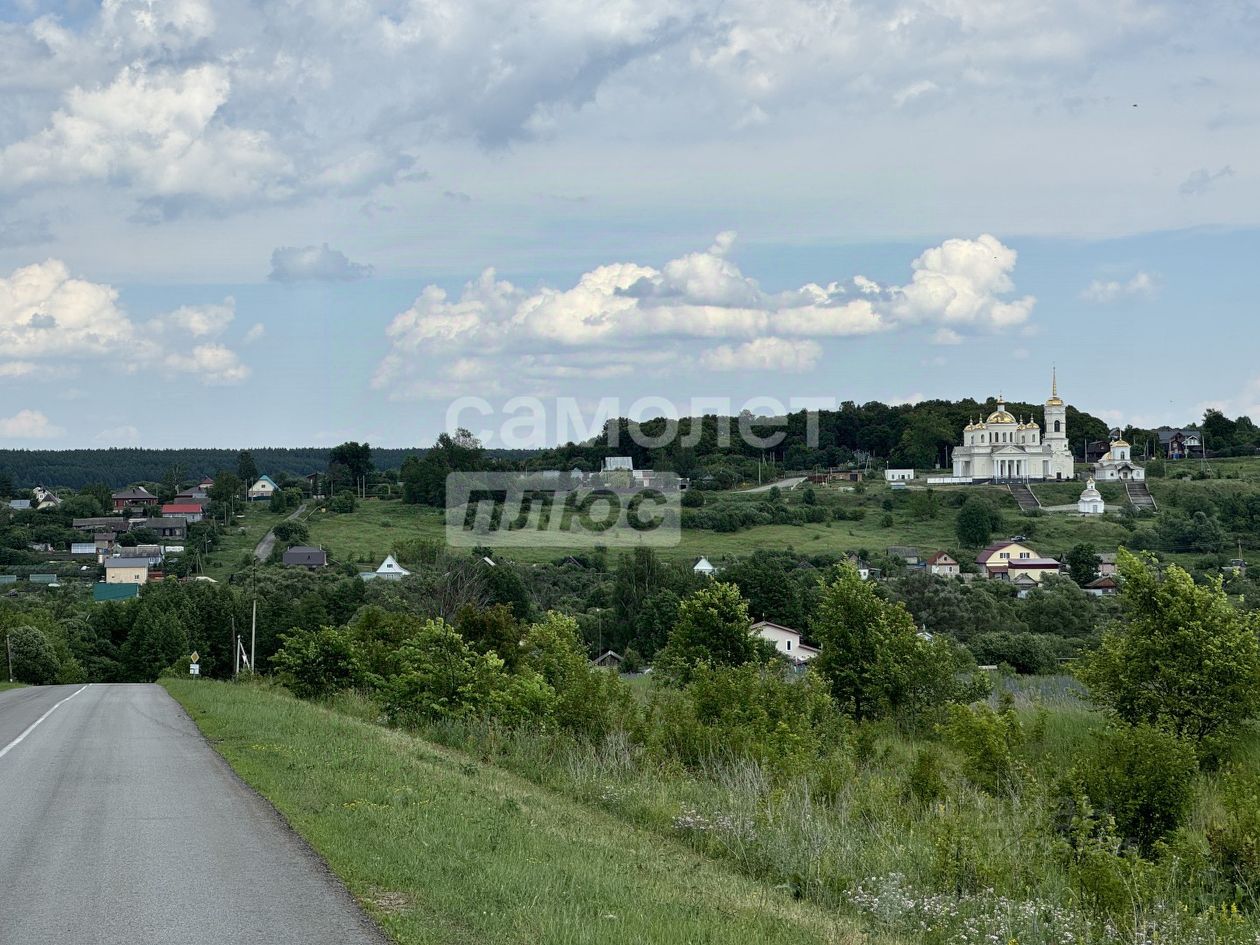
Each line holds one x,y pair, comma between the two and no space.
10,685
444,850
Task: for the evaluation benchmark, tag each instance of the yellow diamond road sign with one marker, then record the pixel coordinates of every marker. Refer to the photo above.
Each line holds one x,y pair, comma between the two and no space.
195,658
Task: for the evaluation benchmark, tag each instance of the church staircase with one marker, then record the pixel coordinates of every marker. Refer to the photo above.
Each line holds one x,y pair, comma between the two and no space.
1025,498
1139,496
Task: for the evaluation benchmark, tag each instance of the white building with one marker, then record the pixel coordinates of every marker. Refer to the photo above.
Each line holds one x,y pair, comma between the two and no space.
263,488
786,640
390,570
704,567
618,464
1003,448
898,475
1091,501
1117,464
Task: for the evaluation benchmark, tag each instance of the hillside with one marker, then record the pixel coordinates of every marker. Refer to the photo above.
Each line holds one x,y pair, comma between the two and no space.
442,849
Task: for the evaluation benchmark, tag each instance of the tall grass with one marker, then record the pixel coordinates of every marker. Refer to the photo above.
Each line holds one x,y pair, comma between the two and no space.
949,867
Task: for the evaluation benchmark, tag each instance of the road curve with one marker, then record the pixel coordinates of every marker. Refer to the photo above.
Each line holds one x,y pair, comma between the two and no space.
119,825
262,551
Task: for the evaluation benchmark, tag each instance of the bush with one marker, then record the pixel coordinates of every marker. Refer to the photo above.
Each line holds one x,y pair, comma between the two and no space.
751,711
1027,653
988,741
317,663
1233,832
1143,777
292,533
342,503
34,660
692,499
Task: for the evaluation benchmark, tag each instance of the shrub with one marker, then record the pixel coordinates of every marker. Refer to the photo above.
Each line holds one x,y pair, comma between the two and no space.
750,711
34,660
1143,777
343,502
692,499
712,628
316,663
988,741
1233,832
291,533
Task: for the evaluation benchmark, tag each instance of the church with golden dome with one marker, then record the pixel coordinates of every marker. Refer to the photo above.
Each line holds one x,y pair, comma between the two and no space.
1003,448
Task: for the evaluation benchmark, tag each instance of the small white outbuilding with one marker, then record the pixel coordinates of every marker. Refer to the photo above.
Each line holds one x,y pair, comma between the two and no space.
704,567
1091,501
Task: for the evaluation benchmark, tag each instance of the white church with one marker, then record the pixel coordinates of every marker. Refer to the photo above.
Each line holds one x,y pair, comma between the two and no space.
1002,448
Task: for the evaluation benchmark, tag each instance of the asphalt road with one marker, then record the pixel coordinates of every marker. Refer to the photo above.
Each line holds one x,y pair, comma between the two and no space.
119,824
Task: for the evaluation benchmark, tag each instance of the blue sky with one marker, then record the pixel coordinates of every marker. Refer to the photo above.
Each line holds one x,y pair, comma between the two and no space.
298,227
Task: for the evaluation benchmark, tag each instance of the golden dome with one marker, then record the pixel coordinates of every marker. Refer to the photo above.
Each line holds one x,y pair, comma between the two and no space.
1033,425
1000,416
1120,442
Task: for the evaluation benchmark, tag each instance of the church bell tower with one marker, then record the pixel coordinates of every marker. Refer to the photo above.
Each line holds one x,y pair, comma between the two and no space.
1061,462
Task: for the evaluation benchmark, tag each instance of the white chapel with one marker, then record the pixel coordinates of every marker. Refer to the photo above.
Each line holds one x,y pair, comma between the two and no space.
1002,448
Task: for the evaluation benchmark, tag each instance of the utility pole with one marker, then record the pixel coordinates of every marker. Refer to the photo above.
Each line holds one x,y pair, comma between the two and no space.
253,636
9,646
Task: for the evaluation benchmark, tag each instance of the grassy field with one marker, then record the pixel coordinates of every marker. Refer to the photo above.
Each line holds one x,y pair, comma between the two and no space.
368,534
442,849
240,540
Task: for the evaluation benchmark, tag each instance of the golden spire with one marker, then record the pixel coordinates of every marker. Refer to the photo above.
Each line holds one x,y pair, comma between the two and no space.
1054,400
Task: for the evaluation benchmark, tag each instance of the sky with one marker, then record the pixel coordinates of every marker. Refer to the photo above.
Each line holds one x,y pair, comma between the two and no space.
241,223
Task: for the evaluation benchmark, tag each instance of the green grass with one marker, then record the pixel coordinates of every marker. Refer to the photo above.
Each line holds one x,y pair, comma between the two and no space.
240,539
441,849
369,533
10,685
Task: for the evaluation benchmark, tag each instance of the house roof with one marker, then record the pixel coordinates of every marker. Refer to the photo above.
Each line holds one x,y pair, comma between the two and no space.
993,549
262,479
1102,583
903,551
19,505
942,557
390,566
135,492
126,563
182,508
703,565
107,592
1019,564
771,625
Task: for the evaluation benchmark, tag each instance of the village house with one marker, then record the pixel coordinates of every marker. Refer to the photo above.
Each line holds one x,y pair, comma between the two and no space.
126,570
134,497
942,564
188,511
44,498
1180,444
390,570
1107,564
907,553
704,567
1009,560
20,505
263,488
1102,587
898,475
609,659
176,528
303,556
786,641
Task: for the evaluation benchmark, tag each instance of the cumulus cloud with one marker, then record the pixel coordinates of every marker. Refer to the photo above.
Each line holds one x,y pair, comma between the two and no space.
50,320
28,425
960,286
314,264
159,130
1102,291
255,333
764,354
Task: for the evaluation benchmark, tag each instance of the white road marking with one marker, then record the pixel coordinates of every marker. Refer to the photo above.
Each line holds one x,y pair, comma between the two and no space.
17,741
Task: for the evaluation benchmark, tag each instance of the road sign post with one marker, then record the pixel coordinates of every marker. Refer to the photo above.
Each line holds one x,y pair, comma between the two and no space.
194,667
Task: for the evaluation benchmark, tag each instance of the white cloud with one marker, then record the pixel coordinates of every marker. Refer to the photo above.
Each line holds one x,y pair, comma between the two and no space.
157,130
764,354
314,264
126,435
1102,291
959,286
255,333
50,319
211,364
201,321
28,425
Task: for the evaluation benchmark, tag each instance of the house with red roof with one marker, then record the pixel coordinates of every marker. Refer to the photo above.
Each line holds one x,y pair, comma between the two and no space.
189,511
